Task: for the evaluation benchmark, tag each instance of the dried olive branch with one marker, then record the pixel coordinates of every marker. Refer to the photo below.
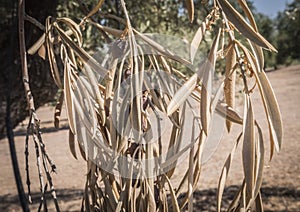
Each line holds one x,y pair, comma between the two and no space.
34,124
85,10
140,187
27,163
34,22
28,94
30,101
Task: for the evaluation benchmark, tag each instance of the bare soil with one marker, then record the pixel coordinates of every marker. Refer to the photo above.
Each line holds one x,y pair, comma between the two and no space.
281,185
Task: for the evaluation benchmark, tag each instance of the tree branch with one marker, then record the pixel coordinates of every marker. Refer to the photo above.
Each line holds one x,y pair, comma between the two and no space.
23,55
34,125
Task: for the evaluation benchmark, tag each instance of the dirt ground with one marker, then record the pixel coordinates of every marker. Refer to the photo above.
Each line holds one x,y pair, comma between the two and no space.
281,185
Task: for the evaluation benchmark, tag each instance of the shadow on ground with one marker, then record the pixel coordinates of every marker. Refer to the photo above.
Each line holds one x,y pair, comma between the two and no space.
23,132
66,197
274,199
281,198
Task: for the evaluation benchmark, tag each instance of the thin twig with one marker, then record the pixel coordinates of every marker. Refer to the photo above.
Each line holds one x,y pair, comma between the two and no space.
43,149
29,98
85,10
42,202
26,160
34,22
38,163
46,158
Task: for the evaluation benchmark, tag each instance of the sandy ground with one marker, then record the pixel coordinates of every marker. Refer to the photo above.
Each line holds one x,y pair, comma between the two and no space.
280,190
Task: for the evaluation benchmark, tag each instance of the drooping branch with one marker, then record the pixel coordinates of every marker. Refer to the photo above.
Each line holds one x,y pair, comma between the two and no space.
42,158
23,55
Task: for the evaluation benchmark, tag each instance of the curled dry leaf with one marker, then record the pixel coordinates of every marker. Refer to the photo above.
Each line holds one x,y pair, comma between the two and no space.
258,203
248,13
235,204
191,172
81,52
74,27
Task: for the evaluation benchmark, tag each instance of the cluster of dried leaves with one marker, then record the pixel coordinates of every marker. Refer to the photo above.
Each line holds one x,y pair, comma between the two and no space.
108,106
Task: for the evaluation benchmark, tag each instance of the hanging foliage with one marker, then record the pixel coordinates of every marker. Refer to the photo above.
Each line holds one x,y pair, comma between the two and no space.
115,106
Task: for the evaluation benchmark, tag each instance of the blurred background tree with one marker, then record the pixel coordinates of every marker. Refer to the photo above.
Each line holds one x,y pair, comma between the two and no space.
266,26
288,34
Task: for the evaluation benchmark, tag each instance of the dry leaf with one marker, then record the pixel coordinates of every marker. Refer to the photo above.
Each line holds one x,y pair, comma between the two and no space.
72,144
197,40
190,8
238,21
272,109
206,88
182,94
229,82
224,174
58,108
42,52
249,147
